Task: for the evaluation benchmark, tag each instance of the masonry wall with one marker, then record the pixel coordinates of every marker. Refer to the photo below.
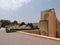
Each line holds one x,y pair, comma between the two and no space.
44,27
57,29
32,31
53,28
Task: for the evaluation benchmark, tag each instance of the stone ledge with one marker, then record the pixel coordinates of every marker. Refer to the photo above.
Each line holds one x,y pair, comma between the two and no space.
40,36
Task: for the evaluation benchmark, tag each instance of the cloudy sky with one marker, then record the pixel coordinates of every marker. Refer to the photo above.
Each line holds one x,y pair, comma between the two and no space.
26,10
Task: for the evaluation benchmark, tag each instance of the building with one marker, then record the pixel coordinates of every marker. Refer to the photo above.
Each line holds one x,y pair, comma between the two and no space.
49,25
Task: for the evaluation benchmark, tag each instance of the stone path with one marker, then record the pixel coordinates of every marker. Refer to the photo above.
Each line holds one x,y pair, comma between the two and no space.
23,39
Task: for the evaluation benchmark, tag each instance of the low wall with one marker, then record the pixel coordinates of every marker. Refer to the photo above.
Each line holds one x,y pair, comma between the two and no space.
32,31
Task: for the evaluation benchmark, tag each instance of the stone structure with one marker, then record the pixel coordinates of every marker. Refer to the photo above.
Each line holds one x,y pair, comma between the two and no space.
49,25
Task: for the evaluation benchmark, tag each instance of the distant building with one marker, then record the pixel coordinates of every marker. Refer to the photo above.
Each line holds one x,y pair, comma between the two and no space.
49,25
18,27
25,27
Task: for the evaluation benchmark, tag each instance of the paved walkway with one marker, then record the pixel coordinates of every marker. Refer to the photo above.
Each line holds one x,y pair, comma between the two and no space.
23,39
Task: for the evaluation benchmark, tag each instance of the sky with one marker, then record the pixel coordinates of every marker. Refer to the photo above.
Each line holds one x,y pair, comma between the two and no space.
26,10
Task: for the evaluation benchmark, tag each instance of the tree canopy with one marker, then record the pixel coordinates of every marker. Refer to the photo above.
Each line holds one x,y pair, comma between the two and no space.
22,23
5,22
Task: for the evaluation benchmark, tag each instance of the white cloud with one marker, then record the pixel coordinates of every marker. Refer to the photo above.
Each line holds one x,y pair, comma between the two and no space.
12,4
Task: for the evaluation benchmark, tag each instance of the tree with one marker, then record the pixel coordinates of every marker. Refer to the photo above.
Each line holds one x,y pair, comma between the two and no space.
30,24
23,23
5,22
15,22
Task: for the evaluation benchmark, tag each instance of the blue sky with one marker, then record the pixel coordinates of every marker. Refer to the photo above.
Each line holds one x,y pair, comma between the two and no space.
26,10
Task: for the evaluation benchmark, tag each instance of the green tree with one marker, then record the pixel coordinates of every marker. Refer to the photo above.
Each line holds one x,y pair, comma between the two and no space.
15,22
22,23
5,22
30,24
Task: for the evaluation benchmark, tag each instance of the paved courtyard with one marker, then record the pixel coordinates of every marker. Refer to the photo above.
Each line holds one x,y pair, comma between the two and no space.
23,39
